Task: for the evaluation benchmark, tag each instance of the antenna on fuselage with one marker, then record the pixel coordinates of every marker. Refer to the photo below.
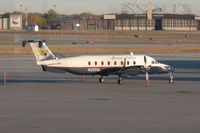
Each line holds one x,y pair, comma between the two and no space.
131,53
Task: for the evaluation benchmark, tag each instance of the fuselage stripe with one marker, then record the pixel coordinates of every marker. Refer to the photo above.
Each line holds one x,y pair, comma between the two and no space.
87,67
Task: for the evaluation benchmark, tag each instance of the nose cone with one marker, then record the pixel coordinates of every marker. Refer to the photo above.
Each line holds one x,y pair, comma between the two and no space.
161,69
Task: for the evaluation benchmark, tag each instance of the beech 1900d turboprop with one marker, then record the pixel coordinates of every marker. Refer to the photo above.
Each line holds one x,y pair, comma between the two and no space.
103,65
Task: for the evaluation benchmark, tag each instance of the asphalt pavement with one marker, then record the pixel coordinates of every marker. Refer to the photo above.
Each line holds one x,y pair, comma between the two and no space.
38,102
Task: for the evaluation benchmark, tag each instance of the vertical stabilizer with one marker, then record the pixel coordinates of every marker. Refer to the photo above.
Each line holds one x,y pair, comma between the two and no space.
41,51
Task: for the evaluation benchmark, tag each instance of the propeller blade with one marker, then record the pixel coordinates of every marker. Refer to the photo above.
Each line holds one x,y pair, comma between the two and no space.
147,77
146,71
145,60
124,63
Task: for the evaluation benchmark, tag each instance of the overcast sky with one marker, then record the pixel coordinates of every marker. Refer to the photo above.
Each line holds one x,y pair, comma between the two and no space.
94,6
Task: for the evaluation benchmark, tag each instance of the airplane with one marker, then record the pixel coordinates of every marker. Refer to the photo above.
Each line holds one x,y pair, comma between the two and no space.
102,65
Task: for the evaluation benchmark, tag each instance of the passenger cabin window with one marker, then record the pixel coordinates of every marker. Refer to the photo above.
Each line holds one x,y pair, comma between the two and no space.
95,63
89,63
127,62
108,62
115,63
102,63
122,62
134,62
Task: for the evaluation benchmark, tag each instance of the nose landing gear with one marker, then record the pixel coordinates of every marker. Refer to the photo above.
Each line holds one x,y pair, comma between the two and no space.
171,78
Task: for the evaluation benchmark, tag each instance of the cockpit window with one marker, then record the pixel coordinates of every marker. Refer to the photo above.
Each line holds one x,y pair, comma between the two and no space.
154,62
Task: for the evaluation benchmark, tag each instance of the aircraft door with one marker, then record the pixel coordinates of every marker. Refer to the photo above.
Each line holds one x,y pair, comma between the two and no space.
158,24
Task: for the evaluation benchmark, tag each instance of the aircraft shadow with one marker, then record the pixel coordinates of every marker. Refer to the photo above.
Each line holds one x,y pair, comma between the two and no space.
57,81
88,80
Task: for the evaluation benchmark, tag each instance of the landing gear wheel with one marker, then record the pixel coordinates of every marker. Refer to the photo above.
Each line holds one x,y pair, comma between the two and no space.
101,80
171,81
119,82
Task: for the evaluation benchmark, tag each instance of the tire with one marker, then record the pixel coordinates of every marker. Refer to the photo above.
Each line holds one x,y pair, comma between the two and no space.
101,80
171,81
119,81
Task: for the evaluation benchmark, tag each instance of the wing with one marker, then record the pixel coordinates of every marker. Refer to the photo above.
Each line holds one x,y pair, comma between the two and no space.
132,70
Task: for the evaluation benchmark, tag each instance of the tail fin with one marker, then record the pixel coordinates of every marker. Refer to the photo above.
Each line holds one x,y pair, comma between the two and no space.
41,51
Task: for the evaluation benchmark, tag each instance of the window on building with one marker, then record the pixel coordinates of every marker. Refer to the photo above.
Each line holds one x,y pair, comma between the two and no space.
133,23
126,23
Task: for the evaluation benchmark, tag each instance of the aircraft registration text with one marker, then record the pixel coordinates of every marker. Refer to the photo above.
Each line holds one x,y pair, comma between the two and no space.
94,69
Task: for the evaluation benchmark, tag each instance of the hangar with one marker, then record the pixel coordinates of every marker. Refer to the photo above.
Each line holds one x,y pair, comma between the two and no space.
175,22
139,22
148,20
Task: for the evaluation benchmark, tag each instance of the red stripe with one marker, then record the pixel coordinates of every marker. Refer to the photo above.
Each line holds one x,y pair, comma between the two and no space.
86,67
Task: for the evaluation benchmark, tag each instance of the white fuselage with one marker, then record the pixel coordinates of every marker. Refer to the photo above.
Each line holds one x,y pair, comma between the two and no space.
89,61
91,64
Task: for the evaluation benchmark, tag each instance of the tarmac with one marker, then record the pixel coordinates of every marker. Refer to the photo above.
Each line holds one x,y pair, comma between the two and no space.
38,102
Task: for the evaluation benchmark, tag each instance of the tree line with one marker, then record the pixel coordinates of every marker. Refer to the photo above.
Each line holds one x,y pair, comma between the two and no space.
45,20
49,20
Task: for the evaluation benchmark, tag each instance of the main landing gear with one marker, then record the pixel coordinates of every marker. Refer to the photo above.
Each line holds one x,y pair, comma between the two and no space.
119,81
101,79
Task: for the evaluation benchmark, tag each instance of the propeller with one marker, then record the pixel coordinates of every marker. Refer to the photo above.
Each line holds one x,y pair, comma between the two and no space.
146,71
124,66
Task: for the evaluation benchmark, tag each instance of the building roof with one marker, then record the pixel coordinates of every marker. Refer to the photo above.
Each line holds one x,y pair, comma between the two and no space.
155,16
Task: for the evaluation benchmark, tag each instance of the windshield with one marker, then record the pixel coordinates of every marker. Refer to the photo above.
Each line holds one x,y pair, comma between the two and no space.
154,62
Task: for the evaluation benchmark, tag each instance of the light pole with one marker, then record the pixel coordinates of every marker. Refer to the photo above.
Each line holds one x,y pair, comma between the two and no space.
21,6
54,7
26,23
